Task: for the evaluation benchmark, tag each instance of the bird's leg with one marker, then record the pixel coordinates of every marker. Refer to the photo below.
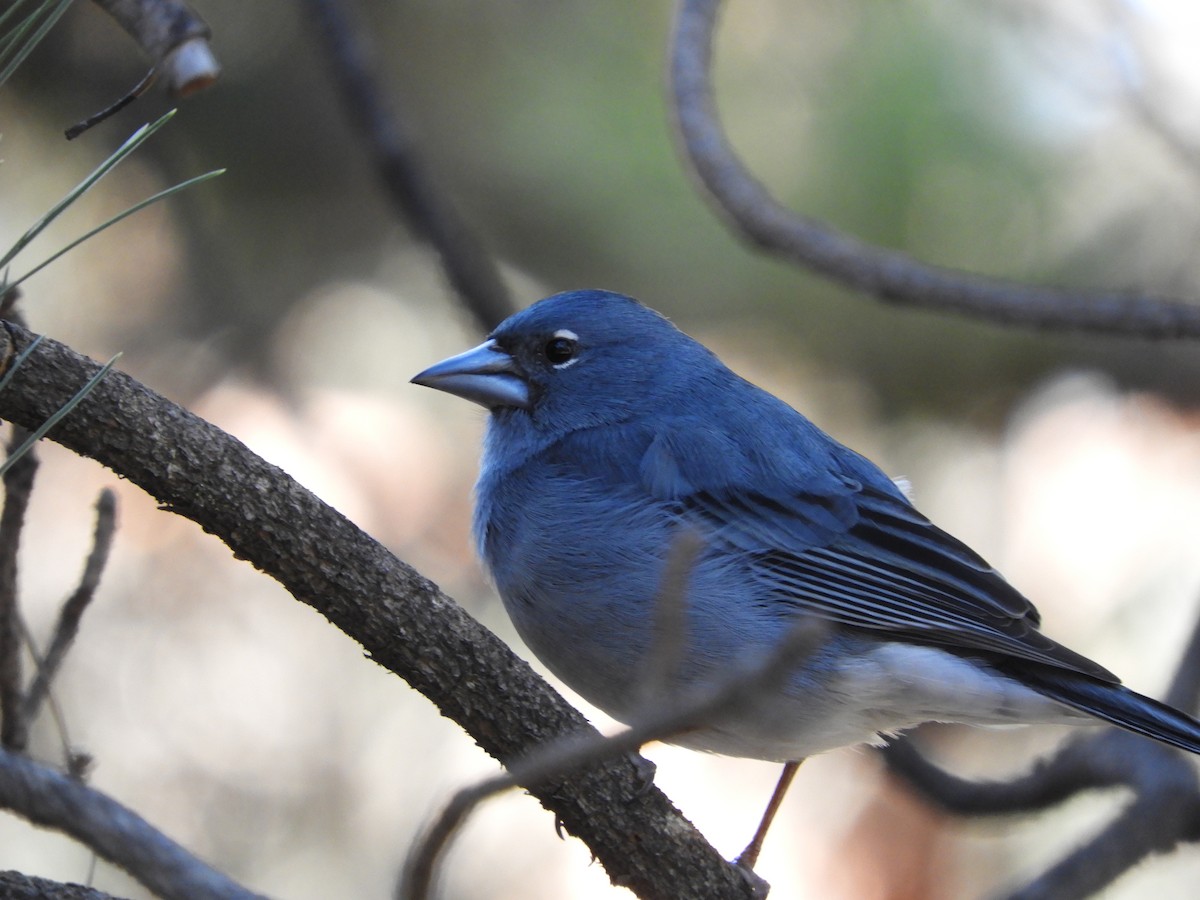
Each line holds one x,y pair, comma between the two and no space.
748,858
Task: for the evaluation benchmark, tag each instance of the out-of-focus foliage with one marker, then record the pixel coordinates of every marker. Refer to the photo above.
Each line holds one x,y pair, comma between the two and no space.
998,137
286,303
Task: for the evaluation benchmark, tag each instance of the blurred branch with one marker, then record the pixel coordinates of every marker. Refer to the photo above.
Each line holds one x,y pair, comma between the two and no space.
18,486
750,210
173,36
51,799
404,622
407,177
672,714
18,886
1165,811
1051,782
73,609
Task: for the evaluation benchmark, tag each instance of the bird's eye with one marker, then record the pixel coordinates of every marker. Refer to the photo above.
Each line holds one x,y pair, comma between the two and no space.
559,350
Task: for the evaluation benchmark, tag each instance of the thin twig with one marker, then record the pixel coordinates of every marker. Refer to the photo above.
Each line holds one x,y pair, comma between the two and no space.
51,799
108,112
18,486
75,605
672,717
753,213
406,176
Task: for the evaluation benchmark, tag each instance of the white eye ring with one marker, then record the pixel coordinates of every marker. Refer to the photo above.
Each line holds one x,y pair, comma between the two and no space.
565,334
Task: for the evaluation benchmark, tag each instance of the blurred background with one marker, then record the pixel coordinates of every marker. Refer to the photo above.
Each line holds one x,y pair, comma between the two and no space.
1052,142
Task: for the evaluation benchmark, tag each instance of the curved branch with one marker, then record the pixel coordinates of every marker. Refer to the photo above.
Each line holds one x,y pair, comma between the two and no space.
49,798
1165,811
1050,782
751,211
402,620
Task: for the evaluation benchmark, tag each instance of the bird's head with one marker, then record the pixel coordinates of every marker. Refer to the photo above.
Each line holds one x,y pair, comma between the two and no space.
573,361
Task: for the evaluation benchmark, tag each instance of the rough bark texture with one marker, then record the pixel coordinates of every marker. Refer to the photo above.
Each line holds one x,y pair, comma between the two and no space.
402,620
18,886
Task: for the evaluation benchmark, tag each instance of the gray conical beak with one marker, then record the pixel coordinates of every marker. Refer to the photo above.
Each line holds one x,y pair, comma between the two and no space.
486,375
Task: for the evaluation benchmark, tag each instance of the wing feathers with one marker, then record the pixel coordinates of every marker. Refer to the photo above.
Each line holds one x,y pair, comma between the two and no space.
871,561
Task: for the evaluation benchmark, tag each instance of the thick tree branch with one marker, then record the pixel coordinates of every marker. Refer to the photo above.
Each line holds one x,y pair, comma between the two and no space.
404,621
751,212
668,715
18,886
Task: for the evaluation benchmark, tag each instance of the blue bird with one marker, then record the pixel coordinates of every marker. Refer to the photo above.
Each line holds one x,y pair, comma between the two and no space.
611,432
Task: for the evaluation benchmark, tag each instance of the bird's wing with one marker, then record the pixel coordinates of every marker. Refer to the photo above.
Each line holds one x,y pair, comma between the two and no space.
869,560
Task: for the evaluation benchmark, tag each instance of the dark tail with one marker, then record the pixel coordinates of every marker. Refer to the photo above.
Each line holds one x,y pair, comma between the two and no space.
1116,704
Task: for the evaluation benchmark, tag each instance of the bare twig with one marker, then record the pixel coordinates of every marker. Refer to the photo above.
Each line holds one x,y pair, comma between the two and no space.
108,112
173,36
73,609
51,799
18,486
751,211
405,174
673,716
403,621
